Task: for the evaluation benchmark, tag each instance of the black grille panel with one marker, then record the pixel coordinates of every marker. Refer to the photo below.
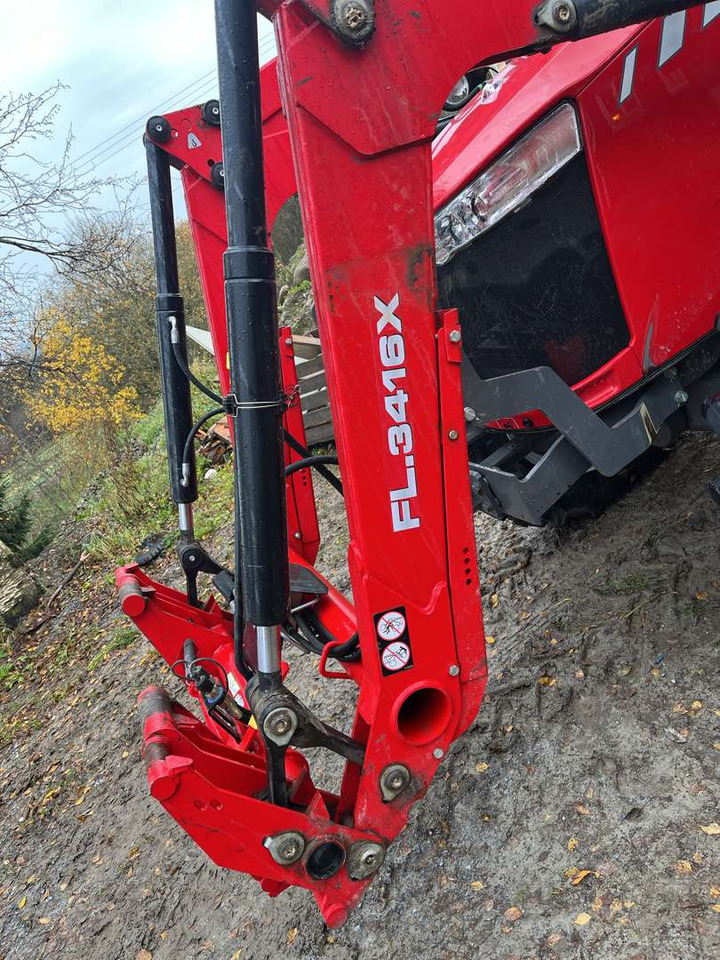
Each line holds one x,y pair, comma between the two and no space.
537,289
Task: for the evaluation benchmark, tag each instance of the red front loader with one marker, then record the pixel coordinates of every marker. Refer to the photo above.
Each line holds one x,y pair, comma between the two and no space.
526,301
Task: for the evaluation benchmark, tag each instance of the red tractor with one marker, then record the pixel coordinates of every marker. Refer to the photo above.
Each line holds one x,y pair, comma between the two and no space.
539,279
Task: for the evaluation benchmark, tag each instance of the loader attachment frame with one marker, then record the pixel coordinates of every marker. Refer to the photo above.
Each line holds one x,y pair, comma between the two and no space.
362,85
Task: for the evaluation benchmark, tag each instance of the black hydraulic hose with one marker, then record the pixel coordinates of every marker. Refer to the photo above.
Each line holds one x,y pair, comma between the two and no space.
321,469
344,651
193,433
180,360
315,461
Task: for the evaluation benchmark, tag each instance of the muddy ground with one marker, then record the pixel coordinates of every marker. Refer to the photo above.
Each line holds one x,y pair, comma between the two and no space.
596,750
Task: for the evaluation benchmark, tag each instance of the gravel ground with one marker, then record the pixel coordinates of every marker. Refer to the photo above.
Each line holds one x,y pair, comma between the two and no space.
574,820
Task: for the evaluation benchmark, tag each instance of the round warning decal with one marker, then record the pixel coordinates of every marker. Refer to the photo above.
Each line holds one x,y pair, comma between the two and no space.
391,625
396,655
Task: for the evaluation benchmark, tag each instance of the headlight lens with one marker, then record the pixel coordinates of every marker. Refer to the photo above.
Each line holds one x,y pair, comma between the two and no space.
459,94
508,181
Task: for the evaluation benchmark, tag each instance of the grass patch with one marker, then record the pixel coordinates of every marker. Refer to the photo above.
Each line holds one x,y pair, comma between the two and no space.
120,640
631,585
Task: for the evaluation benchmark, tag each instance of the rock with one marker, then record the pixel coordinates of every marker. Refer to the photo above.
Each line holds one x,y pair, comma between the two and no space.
19,590
302,269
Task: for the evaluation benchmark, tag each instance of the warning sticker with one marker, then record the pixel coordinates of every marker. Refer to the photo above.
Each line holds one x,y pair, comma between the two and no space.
395,656
391,625
393,641
235,690
193,141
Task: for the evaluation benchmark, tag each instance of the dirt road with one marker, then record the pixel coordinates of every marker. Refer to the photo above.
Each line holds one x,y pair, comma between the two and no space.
576,820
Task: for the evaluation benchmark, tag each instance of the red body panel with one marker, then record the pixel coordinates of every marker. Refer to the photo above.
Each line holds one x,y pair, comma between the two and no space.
655,167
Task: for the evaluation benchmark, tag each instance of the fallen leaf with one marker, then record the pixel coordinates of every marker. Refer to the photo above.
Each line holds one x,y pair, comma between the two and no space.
81,796
512,914
236,955
554,938
164,935
144,955
489,639
21,902
494,600
676,735
581,874
291,934
44,921
547,681
482,767
712,829
476,885
628,904
597,904
715,893
581,808
571,872
582,918
683,866
655,672
573,843
716,745
702,595
716,907
696,705
697,857
134,852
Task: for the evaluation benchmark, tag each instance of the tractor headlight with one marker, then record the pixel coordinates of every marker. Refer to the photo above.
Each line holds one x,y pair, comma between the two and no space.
508,182
458,95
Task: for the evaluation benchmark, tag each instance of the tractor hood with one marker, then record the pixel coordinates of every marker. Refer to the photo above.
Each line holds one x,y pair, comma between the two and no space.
524,90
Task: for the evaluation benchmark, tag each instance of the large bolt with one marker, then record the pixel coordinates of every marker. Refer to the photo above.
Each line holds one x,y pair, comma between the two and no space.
453,434
279,725
285,848
470,414
558,15
454,336
354,19
563,13
393,780
682,396
364,858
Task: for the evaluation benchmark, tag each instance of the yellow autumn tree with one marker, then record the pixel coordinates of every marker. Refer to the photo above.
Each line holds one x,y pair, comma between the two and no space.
82,383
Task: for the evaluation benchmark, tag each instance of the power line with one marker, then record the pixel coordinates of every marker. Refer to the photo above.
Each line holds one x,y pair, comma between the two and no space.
144,117
187,92
129,139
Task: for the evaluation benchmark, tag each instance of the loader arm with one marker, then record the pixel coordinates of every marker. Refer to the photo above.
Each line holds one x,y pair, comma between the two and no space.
361,85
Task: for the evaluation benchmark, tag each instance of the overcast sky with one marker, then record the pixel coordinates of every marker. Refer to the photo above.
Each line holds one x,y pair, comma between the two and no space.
122,60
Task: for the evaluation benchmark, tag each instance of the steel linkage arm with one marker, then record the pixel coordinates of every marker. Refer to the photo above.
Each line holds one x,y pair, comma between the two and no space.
362,85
